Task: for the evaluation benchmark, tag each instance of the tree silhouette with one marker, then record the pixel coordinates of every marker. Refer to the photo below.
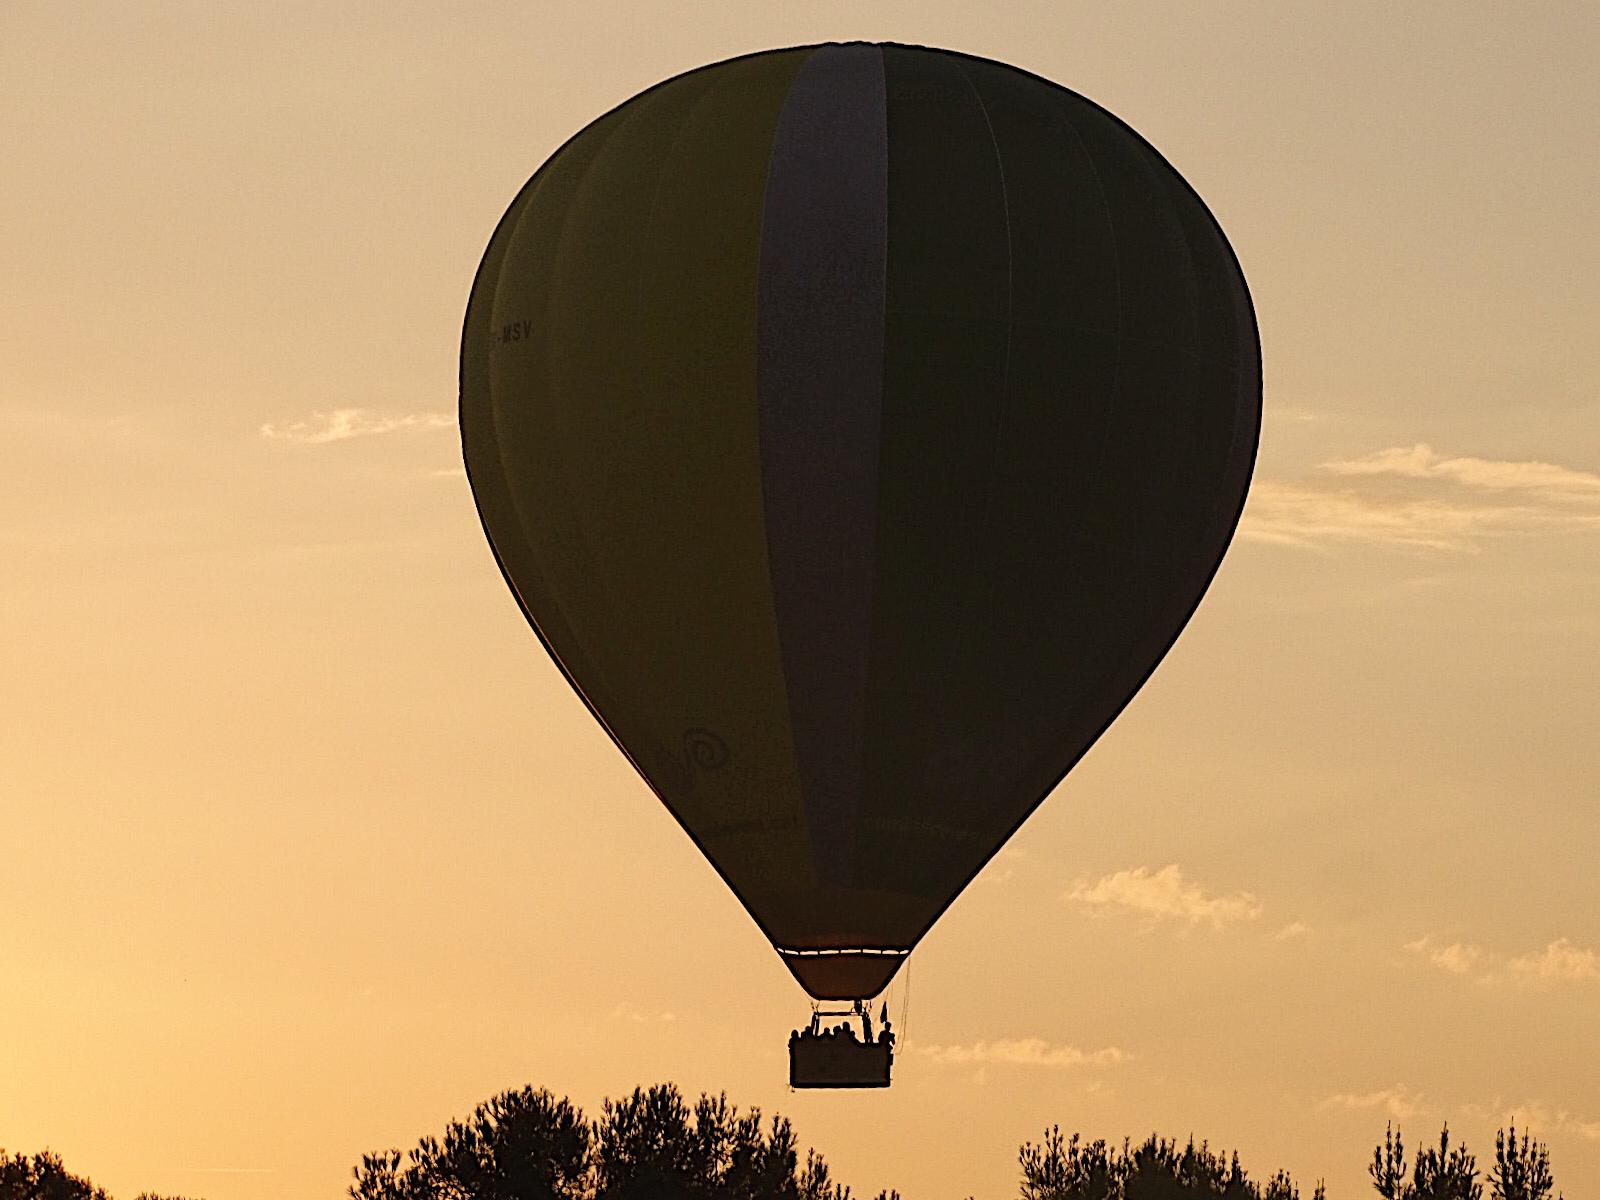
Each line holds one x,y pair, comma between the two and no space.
650,1145
1069,1169
1058,1170
520,1145
529,1144
1520,1172
1157,1170
1281,1187
647,1145
1388,1166
42,1177
1445,1174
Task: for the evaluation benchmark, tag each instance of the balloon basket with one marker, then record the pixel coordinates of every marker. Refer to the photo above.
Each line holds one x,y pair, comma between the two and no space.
837,1057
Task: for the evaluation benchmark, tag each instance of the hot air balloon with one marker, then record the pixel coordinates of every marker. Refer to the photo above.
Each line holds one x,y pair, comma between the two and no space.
857,426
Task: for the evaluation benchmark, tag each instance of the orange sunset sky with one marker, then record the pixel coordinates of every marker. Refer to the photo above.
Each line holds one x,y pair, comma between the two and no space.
308,848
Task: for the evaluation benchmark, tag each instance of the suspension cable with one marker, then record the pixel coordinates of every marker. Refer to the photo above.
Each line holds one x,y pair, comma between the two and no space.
905,1006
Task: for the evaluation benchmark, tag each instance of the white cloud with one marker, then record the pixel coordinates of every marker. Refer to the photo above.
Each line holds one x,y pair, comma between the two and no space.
343,424
1410,497
1294,929
1021,1052
1458,957
1421,461
1165,894
1309,517
1538,1119
1398,1102
1559,960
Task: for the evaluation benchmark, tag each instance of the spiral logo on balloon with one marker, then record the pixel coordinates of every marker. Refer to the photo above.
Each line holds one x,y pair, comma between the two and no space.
704,750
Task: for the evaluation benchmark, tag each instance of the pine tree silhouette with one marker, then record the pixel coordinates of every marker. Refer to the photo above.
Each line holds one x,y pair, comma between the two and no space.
1520,1172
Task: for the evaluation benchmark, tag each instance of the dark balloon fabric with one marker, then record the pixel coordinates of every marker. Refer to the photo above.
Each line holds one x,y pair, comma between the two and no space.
857,425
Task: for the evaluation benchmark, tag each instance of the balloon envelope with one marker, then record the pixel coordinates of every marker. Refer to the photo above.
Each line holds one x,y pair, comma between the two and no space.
857,425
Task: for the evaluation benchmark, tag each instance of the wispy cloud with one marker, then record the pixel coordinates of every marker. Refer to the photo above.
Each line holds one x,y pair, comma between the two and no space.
1458,958
1561,1121
1560,961
342,424
1398,1102
1164,895
1021,1052
1421,461
1412,497
1294,929
1537,1118
1311,517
